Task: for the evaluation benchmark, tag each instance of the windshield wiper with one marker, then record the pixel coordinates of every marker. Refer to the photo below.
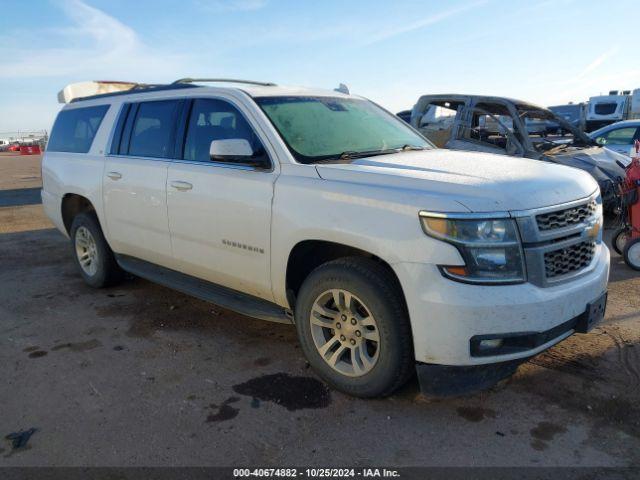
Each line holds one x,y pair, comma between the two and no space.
344,157
349,155
407,148
352,155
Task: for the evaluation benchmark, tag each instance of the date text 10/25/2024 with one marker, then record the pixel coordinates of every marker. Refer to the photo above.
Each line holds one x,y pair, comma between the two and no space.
316,473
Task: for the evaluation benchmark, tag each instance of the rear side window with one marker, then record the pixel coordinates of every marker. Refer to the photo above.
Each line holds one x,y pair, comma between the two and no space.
74,130
152,134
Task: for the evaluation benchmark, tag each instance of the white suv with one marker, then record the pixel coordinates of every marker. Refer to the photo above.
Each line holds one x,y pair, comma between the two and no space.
320,208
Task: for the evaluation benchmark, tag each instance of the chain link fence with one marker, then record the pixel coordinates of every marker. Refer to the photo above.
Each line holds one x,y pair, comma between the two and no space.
23,137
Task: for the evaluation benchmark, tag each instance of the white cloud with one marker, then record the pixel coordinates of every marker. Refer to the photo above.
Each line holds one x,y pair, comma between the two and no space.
232,5
358,34
588,82
599,60
594,85
95,46
388,33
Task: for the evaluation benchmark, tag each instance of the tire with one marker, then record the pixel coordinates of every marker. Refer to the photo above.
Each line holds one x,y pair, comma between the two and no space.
619,240
91,253
631,253
380,367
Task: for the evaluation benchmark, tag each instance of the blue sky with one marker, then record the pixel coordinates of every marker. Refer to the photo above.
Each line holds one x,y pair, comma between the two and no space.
545,51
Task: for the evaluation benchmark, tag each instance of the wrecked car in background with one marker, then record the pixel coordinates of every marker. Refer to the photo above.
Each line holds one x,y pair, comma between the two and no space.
405,115
512,127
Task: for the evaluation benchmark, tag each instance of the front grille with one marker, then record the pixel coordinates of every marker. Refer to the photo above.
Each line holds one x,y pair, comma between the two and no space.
568,259
566,218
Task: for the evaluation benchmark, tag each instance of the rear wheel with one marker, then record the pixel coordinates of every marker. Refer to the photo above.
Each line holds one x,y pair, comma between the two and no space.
619,240
92,254
631,253
353,327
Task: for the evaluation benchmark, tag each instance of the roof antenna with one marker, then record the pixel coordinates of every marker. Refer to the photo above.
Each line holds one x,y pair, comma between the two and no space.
342,88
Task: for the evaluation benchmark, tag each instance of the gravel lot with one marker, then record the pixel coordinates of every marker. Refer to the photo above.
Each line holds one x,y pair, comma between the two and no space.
142,375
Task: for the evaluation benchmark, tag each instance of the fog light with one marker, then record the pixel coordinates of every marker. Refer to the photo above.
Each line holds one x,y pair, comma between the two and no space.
491,344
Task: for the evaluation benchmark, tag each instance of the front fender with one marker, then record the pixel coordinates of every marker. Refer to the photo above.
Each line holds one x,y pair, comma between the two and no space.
379,220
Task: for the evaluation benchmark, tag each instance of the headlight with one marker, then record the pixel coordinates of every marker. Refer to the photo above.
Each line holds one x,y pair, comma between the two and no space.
490,248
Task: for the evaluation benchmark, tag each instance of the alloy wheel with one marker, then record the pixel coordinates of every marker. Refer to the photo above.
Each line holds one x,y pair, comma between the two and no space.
345,332
86,251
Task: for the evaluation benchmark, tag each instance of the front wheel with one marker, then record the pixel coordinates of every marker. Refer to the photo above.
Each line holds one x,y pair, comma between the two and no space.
353,327
619,240
631,253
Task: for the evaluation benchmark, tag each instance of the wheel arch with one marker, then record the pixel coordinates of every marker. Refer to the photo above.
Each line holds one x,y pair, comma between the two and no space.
307,255
71,205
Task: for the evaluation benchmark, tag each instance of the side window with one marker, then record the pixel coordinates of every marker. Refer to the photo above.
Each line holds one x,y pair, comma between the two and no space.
620,136
74,130
491,128
437,122
212,120
436,114
152,133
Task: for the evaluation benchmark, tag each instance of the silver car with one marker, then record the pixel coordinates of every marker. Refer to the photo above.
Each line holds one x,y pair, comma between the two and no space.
619,136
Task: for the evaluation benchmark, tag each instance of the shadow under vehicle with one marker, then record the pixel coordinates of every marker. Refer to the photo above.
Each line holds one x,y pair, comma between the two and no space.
459,122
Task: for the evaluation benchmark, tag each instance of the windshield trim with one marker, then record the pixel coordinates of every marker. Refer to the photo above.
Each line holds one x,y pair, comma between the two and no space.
337,157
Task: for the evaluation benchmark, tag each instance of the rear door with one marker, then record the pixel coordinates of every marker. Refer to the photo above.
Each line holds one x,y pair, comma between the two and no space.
135,179
220,212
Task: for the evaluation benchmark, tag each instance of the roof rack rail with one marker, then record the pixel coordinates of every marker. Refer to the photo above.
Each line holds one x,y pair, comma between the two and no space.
223,80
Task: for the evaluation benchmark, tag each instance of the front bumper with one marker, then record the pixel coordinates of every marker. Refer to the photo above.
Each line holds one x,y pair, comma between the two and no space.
445,315
450,380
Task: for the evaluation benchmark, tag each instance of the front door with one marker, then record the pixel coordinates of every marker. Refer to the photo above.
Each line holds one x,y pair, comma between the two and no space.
220,212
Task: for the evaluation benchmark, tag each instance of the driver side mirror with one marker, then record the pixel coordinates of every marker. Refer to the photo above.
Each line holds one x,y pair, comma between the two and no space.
236,150
601,141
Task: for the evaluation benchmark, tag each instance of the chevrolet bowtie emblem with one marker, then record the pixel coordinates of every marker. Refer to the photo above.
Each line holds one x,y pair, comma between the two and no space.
593,230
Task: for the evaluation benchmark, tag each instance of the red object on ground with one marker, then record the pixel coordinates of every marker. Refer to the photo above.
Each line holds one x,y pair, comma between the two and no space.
29,150
14,148
631,183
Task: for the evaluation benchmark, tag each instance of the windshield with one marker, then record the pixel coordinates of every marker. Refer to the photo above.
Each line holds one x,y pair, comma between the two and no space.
334,128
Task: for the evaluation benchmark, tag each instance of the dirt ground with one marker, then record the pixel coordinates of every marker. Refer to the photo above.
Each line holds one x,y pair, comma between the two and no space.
142,375
18,171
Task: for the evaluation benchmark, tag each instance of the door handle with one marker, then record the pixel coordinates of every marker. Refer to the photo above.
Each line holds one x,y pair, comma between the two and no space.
182,186
114,175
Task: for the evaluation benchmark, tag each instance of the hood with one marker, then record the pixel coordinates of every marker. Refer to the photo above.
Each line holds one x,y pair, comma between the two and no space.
600,162
481,182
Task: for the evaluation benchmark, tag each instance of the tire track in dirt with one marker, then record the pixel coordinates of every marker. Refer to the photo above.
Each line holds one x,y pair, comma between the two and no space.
625,351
